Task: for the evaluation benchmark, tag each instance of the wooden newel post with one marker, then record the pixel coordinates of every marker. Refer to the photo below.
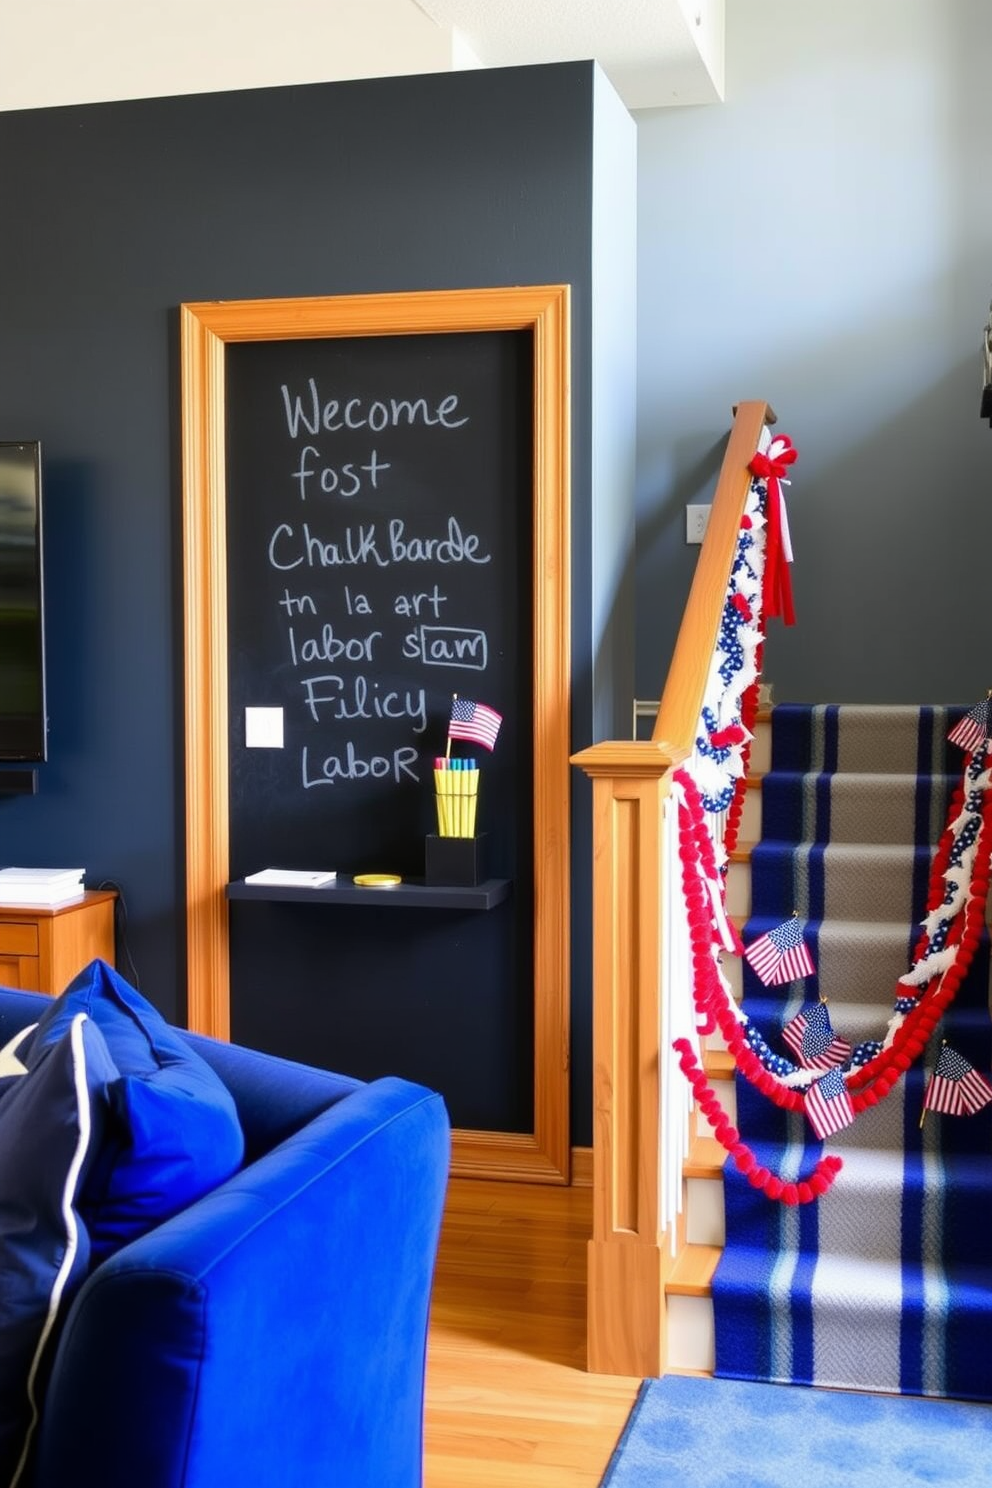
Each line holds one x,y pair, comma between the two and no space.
629,1259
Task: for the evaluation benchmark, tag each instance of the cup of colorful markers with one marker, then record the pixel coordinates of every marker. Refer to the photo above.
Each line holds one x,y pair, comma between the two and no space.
456,787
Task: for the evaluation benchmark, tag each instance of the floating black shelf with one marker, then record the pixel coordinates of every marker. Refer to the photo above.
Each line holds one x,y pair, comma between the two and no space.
412,893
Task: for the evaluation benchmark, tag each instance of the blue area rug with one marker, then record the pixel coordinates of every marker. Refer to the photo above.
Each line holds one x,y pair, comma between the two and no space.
885,1283
706,1433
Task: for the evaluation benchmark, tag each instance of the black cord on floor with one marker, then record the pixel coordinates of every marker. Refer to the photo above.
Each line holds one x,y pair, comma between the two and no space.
125,961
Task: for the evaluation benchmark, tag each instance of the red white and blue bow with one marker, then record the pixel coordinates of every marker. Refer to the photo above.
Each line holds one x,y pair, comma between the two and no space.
776,588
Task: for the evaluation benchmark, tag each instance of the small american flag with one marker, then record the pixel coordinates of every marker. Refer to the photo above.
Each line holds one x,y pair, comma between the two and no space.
828,1105
474,721
973,729
811,1038
955,1088
781,954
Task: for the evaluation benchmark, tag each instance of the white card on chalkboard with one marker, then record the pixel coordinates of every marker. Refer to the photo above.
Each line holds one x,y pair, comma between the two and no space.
263,728
290,878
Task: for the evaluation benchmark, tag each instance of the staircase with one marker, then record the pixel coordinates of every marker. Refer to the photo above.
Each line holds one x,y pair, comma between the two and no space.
885,1282
659,806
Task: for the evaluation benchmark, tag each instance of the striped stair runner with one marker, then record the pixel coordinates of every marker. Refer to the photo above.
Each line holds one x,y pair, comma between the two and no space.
885,1283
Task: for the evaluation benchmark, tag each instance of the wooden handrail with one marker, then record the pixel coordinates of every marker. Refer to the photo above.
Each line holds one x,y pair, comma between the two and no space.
682,699
630,1253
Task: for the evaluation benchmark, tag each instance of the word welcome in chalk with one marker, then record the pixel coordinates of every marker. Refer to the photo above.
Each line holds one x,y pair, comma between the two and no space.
357,413
361,545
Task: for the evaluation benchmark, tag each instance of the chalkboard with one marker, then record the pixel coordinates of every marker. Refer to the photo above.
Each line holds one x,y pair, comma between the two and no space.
375,518
379,521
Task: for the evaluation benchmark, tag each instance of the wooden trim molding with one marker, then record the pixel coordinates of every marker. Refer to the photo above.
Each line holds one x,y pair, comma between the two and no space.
582,1167
206,329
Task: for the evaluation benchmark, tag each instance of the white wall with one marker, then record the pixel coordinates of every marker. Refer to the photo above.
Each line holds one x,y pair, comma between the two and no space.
824,240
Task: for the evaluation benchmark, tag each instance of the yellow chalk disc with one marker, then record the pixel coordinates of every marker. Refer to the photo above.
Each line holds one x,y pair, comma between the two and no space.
377,880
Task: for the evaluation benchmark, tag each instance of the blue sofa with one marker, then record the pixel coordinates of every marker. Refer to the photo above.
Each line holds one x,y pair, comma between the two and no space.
273,1333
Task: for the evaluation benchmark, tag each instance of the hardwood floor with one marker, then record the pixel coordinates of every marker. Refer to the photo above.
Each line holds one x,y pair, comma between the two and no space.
508,1397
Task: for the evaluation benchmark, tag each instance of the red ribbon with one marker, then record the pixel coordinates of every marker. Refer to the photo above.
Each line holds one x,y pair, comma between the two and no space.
776,588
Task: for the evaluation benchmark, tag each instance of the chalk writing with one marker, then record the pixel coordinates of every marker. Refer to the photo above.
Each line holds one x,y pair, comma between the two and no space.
360,413
339,697
329,647
365,544
389,479
352,766
413,604
448,646
345,480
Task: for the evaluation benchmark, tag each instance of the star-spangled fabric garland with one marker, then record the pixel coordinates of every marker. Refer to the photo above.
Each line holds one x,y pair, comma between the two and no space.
723,739
955,1088
781,955
812,1040
828,1106
971,732
937,958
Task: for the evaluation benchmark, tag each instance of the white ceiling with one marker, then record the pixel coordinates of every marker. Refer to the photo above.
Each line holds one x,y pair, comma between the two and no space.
656,52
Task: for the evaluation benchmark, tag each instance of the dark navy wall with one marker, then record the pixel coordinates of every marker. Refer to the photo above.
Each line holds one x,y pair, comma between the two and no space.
113,214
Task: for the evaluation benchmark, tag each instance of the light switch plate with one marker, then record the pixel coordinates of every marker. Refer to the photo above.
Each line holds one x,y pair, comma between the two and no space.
696,520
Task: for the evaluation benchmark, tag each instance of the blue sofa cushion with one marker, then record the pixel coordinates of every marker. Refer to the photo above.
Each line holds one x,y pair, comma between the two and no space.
53,1105
173,1132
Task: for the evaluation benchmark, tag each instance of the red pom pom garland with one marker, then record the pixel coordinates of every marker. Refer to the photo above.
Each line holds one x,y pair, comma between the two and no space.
870,1082
715,783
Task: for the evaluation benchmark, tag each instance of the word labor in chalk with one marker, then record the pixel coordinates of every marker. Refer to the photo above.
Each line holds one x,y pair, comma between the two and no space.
356,697
351,766
359,413
329,647
342,480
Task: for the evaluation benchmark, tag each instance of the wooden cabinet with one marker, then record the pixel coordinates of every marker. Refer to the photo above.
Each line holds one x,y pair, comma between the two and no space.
41,950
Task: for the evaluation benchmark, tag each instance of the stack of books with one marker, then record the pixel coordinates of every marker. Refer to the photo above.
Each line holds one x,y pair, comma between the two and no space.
47,888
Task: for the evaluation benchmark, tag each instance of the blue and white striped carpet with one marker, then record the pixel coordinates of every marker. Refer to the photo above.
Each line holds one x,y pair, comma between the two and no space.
885,1283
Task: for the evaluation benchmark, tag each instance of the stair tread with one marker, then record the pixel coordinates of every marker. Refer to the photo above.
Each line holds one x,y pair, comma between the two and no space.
719,1064
692,1274
705,1160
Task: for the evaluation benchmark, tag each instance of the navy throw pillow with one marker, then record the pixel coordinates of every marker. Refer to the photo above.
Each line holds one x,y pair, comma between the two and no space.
173,1132
53,1103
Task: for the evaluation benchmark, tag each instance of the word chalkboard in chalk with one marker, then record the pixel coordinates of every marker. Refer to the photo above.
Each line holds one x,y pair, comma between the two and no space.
379,561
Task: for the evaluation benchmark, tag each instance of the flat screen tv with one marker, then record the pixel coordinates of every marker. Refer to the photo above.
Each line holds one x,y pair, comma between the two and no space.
22,640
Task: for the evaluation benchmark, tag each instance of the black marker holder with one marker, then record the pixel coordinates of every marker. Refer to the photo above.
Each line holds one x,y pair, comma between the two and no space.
459,862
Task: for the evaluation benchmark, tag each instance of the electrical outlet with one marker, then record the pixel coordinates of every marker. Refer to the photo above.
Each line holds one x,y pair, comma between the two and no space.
696,520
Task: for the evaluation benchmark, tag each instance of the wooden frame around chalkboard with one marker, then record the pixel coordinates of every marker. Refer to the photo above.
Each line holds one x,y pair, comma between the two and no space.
206,329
